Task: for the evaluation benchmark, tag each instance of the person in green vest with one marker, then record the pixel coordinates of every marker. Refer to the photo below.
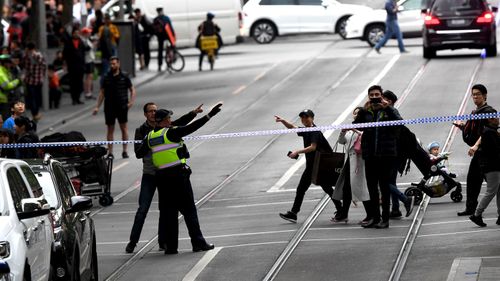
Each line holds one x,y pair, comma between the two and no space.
175,194
7,84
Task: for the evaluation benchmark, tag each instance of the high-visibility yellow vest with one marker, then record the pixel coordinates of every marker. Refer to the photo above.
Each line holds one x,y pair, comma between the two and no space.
164,151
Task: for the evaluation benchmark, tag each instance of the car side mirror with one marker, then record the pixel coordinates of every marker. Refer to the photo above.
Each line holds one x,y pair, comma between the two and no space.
80,203
31,207
494,9
4,268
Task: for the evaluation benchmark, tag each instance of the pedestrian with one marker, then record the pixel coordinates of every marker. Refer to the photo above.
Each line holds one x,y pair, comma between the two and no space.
17,108
161,25
207,28
7,84
396,195
353,173
74,55
7,137
114,93
148,184
88,78
58,61
313,141
169,154
471,134
34,74
380,151
25,133
489,161
54,88
391,27
146,31
137,40
109,36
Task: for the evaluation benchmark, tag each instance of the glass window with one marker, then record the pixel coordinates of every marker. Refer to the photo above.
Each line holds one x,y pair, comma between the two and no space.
453,6
413,5
18,188
49,188
277,2
310,2
65,187
33,182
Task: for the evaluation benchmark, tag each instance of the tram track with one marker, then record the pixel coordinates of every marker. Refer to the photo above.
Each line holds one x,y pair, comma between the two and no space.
151,243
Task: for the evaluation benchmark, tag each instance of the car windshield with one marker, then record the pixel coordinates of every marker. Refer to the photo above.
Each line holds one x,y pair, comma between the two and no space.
48,188
459,8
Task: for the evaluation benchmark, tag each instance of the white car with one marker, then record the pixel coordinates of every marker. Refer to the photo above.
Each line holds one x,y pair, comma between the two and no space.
26,235
369,25
265,19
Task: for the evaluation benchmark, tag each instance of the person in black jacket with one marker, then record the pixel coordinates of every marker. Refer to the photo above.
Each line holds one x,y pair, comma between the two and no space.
471,134
25,134
146,31
489,161
74,55
379,149
207,28
148,185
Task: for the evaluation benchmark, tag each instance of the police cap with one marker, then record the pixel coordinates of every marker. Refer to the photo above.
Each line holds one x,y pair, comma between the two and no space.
162,114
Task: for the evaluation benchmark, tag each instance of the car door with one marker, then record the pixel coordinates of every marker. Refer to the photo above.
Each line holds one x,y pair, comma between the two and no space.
284,13
314,17
78,220
410,17
34,228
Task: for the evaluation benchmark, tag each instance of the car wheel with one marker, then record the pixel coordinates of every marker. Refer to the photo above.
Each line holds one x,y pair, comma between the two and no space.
340,27
264,32
491,51
94,263
374,33
429,53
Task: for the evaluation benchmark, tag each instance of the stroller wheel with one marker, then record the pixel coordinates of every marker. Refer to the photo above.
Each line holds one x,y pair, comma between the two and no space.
106,200
415,192
456,196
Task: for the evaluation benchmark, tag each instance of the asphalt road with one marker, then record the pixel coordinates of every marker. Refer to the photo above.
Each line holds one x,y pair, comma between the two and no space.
329,76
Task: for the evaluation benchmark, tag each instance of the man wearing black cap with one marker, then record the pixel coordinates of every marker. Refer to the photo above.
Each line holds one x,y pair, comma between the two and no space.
313,141
169,154
148,184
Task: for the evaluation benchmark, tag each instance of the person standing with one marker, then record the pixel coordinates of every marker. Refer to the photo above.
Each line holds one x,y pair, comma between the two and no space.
148,184
17,108
161,24
89,62
7,85
74,55
313,141
146,30
34,73
25,133
114,93
471,134
380,151
169,154
109,35
391,27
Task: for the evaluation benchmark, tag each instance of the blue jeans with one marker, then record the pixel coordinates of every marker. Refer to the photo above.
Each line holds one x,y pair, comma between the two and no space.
396,196
148,188
391,29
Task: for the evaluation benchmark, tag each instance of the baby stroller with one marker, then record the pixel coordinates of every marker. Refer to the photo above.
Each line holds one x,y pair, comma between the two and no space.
436,183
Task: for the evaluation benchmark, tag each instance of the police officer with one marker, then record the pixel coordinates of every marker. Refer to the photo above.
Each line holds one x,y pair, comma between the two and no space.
175,193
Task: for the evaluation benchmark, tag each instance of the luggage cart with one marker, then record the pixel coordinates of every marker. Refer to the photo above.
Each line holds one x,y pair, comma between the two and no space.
91,175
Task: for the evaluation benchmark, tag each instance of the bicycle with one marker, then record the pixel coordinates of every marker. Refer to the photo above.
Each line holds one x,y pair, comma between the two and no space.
208,45
174,59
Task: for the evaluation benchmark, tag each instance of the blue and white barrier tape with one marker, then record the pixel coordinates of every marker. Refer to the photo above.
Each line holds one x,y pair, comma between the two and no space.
422,120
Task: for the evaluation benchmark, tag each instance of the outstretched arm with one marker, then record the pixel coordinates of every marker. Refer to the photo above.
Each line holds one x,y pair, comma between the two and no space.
284,122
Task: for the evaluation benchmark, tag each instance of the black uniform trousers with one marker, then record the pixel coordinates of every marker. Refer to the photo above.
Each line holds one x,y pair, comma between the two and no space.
475,179
379,172
145,48
304,184
161,47
176,195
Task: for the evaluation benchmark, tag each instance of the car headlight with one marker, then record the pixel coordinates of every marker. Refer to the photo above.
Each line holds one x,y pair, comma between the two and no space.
4,249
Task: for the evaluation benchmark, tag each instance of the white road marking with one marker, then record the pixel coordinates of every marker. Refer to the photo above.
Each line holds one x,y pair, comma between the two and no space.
239,90
120,166
119,242
347,112
198,268
352,239
459,232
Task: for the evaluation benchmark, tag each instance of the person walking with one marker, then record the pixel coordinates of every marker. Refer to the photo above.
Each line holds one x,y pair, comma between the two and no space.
163,30
74,55
391,27
353,174
207,28
148,184
471,135
489,161
313,141
89,62
146,30
114,93
379,150
169,154
34,73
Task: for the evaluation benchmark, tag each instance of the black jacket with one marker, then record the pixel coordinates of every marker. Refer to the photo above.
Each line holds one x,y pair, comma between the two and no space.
26,153
473,128
379,141
489,159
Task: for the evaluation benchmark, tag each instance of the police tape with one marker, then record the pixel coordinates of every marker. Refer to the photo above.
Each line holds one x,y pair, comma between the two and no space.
415,121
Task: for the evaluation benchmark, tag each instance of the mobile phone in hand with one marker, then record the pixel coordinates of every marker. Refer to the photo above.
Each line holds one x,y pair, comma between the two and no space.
288,154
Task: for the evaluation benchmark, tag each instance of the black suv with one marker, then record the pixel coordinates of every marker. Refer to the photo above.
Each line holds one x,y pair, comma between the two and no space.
457,24
74,255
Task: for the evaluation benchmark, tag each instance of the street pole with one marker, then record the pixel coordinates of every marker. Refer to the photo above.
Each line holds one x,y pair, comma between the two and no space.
38,35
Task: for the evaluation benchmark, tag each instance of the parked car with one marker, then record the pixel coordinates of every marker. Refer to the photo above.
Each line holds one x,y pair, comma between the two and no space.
74,255
25,224
459,24
263,20
369,25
